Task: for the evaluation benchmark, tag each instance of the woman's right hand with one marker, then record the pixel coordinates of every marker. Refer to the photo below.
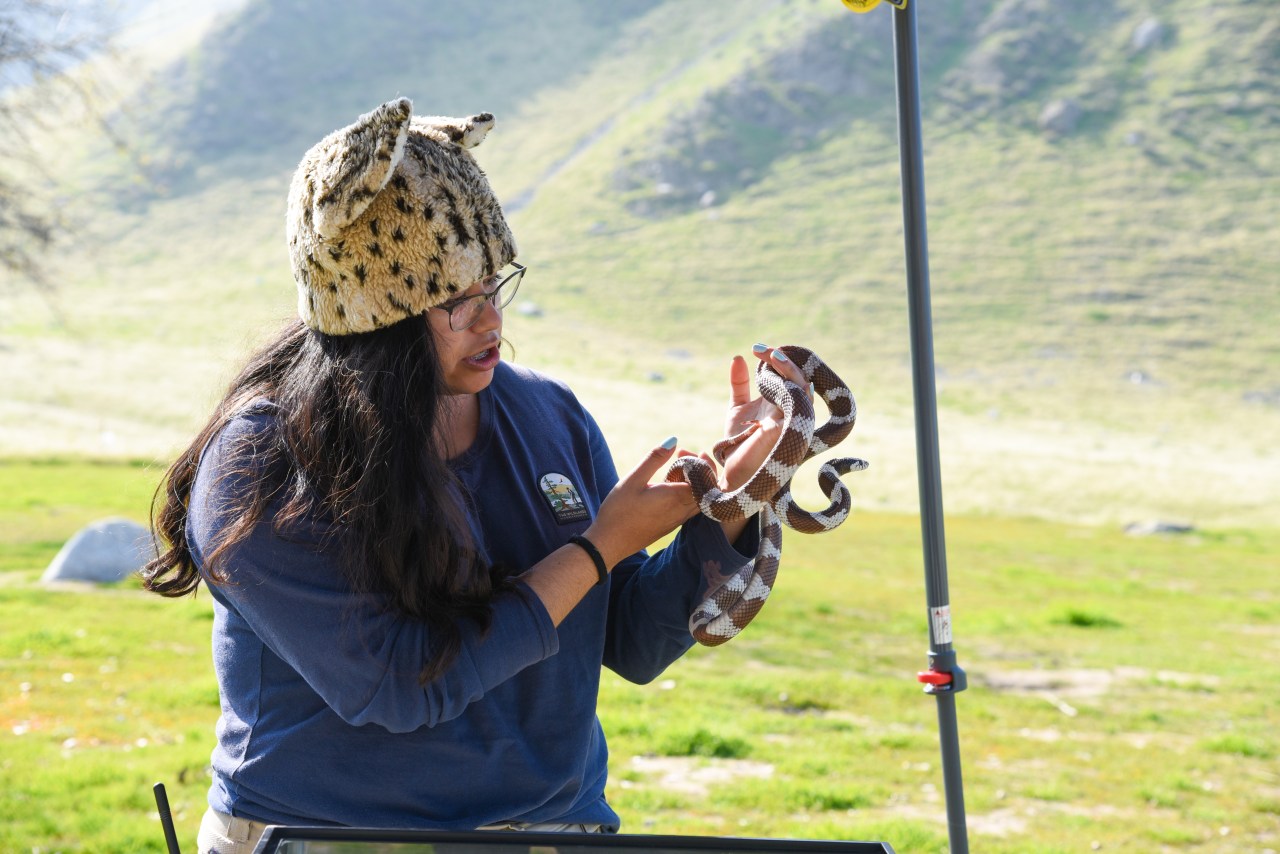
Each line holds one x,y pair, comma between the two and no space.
636,512
633,515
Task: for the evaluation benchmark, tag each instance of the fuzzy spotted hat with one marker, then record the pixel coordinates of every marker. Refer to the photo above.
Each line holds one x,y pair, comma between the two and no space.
390,216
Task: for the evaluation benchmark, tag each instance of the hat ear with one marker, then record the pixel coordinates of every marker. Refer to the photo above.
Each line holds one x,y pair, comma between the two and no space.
467,133
356,164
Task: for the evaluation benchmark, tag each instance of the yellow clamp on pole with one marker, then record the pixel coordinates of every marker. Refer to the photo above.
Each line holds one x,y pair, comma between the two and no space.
861,6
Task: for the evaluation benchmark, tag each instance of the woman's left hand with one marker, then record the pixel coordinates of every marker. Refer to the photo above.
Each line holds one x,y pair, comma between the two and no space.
760,417
755,414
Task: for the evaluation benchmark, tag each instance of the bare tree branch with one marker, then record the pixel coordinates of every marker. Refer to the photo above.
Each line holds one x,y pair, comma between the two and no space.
44,45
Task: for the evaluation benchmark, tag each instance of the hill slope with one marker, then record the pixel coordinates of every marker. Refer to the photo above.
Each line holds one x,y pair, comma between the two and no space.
688,178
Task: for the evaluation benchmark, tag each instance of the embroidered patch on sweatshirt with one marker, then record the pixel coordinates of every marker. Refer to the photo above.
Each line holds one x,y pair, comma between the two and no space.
563,498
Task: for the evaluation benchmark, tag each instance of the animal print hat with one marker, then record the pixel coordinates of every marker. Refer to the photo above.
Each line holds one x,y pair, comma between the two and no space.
390,216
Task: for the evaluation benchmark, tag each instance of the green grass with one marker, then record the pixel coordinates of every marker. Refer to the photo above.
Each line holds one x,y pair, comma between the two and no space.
810,724
43,501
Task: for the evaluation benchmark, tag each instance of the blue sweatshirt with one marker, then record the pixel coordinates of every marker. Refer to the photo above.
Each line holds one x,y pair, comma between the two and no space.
323,718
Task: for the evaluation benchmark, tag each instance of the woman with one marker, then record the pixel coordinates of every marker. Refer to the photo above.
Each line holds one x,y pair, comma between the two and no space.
420,556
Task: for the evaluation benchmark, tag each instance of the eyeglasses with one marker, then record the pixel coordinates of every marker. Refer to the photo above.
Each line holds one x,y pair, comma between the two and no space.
465,311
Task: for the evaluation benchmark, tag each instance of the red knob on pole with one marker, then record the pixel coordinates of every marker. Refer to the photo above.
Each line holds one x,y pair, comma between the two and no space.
934,677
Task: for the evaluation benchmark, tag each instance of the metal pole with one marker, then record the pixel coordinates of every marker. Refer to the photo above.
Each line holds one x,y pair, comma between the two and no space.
943,679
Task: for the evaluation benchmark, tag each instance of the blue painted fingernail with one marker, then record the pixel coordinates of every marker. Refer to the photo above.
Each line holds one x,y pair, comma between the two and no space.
758,349
669,444
780,356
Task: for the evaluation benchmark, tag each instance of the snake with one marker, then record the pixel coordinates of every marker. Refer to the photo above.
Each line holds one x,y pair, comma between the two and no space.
733,599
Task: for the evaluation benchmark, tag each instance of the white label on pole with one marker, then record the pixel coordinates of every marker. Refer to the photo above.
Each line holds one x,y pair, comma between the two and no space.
941,619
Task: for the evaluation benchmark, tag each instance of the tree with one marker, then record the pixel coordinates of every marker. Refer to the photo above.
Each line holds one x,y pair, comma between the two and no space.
44,45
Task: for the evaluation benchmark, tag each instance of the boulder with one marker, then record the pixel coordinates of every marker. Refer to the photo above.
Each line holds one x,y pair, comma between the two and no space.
1148,529
1150,33
105,551
1060,116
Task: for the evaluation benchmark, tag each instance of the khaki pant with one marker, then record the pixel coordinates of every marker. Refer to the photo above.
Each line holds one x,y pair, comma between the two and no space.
224,834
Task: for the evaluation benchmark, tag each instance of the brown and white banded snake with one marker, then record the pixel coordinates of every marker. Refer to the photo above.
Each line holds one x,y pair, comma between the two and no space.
732,600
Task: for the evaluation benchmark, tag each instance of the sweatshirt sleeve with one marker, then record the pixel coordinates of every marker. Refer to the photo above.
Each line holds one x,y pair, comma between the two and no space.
652,596
362,659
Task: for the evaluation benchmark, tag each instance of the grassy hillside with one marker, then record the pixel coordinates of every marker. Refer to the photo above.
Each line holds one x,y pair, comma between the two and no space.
685,179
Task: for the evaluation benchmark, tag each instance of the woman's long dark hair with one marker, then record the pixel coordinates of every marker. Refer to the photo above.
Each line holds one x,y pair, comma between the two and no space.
355,446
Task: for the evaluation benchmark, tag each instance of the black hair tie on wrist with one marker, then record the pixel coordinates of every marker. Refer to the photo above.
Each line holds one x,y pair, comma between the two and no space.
594,553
